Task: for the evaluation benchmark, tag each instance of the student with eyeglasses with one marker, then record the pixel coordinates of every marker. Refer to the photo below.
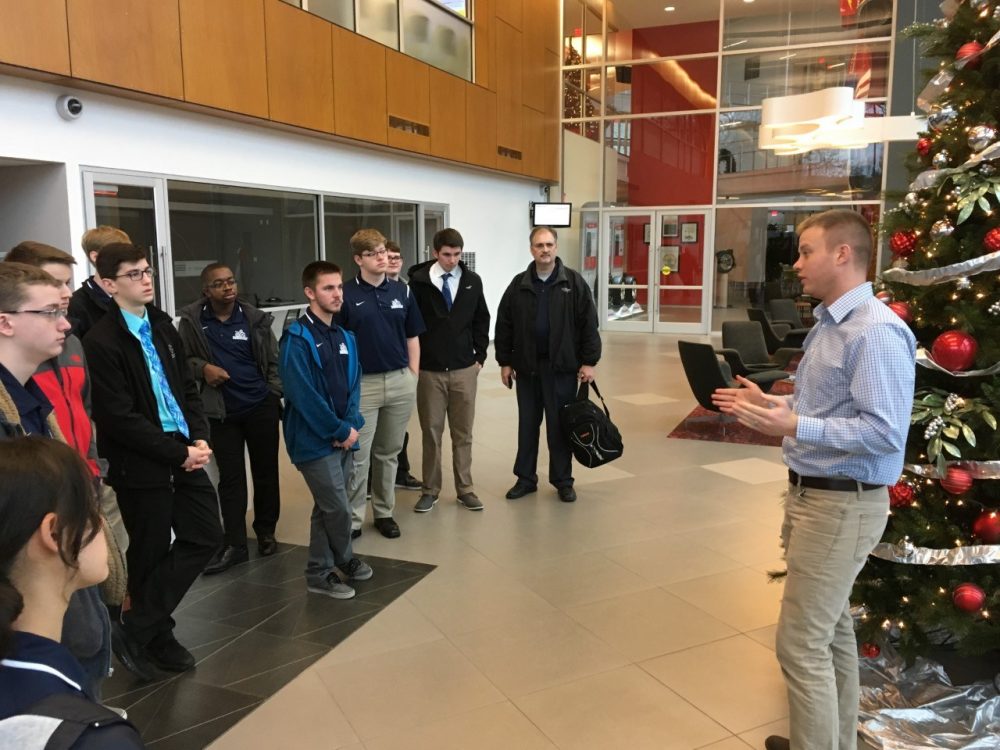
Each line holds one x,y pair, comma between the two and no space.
151,428
233,356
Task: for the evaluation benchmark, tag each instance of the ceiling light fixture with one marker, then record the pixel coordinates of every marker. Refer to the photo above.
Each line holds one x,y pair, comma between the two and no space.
670,8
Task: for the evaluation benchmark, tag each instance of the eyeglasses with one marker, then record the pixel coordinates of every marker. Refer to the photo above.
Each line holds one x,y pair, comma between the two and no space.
374,253
56,314
136,274
223,283
395,258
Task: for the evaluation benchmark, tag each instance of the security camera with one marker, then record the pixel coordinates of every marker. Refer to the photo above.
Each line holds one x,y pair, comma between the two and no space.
69,107
544,190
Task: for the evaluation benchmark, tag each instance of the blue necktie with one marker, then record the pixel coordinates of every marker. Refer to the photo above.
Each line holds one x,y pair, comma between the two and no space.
146,339
446,290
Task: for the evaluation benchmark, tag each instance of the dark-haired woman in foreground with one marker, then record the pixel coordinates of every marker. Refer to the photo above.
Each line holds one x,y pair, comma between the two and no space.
51,544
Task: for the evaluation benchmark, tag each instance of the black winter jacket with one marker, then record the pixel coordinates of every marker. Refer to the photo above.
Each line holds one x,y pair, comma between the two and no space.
88,305
573,336
129,433
454,339
262,341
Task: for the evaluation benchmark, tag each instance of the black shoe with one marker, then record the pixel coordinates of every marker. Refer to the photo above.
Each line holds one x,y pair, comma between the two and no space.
166,653
355,533
387,527
132,654
520,489
567,494
408,482
774,742
267,545
227,558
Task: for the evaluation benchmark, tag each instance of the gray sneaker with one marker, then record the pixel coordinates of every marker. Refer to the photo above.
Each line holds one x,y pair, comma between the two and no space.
332,587
425,503
357,570
470,501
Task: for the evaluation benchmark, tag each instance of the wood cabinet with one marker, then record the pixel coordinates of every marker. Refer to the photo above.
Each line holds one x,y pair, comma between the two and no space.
222,46
299,67
140,50
408,102
359,87
33,35
481,126
448,115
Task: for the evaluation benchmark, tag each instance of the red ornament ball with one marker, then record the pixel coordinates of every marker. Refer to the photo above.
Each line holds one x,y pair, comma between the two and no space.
924,146
870,650
954,350
956,481
903,243
901,495
884,295
902,310
968,597
987,527
992,240
968,50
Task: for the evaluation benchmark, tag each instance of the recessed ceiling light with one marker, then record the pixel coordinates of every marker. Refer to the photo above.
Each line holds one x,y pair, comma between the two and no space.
748,1
670,8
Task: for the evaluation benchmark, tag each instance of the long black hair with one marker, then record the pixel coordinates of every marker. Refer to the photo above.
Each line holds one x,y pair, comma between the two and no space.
41,476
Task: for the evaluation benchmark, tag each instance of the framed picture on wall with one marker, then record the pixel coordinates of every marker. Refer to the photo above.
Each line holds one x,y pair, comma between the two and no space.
670,227
670,258
645,233
689,232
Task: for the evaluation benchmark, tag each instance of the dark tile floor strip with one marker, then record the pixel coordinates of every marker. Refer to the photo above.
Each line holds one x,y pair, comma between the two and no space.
253,629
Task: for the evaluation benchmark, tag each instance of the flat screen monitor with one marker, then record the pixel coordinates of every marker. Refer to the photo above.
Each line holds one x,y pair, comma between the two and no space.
551,214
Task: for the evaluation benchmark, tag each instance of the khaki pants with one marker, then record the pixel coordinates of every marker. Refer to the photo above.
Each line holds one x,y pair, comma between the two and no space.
827,537
387,400
449,394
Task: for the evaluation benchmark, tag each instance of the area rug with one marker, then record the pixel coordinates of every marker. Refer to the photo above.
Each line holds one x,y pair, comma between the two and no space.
702,424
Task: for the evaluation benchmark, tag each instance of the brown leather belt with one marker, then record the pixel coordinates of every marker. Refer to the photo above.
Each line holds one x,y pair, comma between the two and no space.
825,483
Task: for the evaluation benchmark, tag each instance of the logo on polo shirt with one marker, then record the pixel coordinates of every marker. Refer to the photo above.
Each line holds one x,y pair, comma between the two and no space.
240,335
396,305
359,304
343,348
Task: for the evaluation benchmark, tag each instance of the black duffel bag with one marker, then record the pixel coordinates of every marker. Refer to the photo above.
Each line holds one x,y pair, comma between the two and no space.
591,434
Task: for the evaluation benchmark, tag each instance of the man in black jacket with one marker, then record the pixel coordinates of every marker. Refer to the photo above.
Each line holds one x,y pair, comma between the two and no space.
546,340
89,303
152,430
452,352
233,357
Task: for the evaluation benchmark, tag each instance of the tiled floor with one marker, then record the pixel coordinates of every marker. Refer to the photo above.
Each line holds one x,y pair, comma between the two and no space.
639,617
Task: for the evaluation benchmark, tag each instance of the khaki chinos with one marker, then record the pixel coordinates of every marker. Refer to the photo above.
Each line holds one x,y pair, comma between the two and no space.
450,394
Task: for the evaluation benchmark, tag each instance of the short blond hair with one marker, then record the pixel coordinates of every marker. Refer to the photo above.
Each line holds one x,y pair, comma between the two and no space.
843,227
96,239
366,240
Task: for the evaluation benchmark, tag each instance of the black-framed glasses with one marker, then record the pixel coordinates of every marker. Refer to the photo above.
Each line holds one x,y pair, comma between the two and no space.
56,314
136,275
375,253
222,283
395,258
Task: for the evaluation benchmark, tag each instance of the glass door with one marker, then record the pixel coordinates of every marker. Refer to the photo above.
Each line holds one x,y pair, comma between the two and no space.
433,219
626,269
137,205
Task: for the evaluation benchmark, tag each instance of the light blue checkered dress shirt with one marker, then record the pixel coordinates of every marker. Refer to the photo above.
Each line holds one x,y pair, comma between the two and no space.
853,392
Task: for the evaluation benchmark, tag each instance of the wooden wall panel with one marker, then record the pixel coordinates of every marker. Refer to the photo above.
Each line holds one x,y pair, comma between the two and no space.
33,35
222,44
132,44
448,116
484,39
533,162
512,11
551,26
553,111
481,126
408,96
509,87
359,87
299,67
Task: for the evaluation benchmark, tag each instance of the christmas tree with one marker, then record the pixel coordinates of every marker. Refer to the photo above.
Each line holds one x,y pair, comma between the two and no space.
934,579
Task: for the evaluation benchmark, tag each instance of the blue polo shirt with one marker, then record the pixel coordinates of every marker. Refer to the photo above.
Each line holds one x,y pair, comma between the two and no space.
232,349
333,357
382,318
31,404
36,668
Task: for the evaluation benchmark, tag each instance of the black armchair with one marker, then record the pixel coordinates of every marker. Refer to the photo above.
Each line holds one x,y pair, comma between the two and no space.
745,350
777,336
704,374
783,310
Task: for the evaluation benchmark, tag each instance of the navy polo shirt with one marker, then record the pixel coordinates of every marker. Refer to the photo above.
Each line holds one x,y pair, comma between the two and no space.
36,668
232,349
382,318
333,357
31,404
542,324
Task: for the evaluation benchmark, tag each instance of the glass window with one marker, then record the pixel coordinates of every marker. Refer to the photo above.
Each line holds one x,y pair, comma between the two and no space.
265,236
437,37
659,161
461,7
581,93
645,30
343,216
379,20
748,79
664,86
340,12
747,173
778,23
